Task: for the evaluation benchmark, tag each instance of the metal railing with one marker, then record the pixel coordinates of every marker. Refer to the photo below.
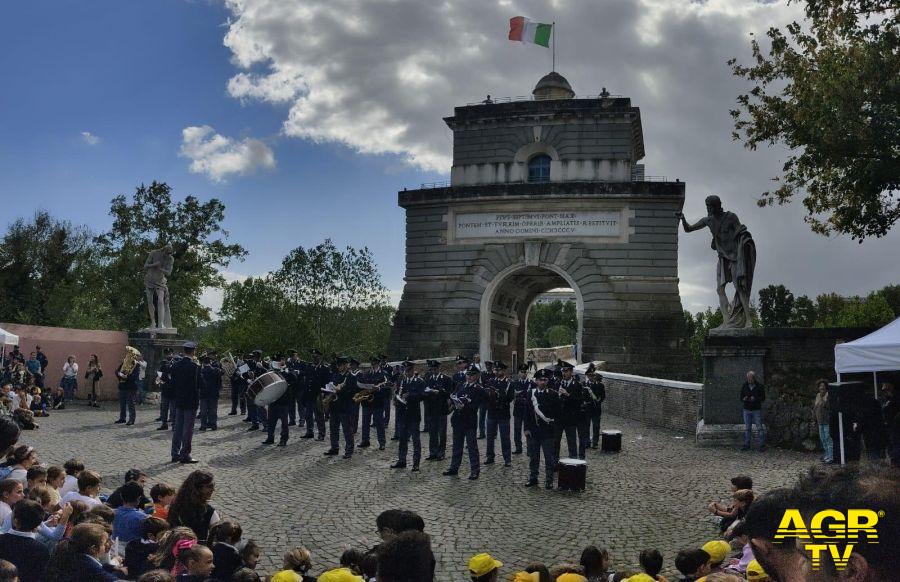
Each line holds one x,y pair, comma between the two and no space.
447,183
430,185
494,100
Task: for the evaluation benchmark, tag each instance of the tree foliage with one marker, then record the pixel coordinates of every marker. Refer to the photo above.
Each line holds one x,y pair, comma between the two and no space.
557,316
780,309
829,90
44,264
776,305
147,221
322,297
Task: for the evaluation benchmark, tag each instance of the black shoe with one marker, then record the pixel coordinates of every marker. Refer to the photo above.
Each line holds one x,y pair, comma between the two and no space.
488,462
157,419
245,420
282,443
120,421
481,437
213,428
348,455
292,423
439,458
174,459
364,445
129,423
189,461
431,458
517,452
232,413
398,465
163,426
763,449
473,477
330,453
548,486
202,428
269,442
415,469
450,473
253,427
507,463
531,483
320,438
380,447
745,448
308,435
395,438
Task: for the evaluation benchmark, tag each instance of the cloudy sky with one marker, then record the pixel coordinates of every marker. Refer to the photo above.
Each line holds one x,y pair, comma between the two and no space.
307,116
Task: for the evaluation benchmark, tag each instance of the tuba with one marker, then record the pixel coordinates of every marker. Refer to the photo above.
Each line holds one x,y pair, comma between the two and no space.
131,356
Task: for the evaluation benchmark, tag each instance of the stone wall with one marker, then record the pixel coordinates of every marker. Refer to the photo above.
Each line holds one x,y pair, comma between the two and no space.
788,362
663,403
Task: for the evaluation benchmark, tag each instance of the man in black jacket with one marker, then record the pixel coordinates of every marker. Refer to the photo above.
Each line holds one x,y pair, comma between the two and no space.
209,396
540,429
187,382
753,394
499,394
128,387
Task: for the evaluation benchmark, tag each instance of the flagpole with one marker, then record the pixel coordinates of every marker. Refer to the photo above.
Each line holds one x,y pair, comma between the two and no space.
553,43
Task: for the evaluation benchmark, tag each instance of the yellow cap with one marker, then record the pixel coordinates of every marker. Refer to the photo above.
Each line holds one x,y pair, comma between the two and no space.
717,550
642,577
481,564
569,577
339,575
286,576
526,577
755,573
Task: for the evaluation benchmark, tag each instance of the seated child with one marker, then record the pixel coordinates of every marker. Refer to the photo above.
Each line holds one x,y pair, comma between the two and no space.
137,552
162,495
223,539
693,564
198,564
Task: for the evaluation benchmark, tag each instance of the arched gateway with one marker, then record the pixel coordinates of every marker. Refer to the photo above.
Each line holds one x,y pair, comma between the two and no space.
543,196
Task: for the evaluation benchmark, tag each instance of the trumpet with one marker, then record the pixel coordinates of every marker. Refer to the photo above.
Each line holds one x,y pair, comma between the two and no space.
459,402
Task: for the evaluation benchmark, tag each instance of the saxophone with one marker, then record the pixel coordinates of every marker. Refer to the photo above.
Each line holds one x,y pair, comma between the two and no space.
330,396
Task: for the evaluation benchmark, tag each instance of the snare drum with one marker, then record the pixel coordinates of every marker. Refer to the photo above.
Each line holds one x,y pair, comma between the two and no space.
266,389
611,441
572,474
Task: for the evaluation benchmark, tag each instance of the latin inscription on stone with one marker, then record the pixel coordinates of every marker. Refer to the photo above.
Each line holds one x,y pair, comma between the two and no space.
598,223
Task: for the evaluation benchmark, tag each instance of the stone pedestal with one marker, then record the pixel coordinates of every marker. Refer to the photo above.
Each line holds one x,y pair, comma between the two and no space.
152,343
728,355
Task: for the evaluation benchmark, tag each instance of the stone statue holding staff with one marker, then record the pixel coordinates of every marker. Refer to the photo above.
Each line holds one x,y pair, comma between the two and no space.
157,266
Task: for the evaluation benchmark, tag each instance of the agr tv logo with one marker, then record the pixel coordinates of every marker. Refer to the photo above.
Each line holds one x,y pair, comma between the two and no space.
828,530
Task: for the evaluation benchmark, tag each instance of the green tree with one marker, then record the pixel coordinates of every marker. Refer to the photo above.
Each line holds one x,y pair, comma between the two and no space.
44,264
560,335
776,304
149,220
543,316
871,311
701,324
804,314
336,298
251,317
829,89
828,309
891,294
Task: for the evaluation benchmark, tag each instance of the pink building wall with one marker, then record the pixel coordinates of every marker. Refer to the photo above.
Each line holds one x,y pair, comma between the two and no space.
60,342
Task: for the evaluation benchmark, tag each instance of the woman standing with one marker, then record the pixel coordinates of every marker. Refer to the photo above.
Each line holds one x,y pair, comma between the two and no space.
93,375
69,380
822,414
191,506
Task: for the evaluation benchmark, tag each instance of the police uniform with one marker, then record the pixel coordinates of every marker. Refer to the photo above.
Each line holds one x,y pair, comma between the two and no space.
596,391
521,405
499,395
315,379
166,407
238,387
294,376
341,409
354,406
410,393
541,431
255,414
187,382
438,387
466,398
209,396
373,410
571,399
486,376
279,411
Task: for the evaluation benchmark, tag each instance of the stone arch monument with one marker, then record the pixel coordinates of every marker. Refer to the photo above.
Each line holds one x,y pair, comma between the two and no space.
479,251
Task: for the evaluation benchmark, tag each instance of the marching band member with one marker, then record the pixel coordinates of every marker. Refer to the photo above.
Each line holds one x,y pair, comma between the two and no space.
499,396
438,387
316,377
255,414
409,415
521,405
571,398
293,373
238,387
187,382
341,407
373,408
354,406
278,410
209,396
597,394
540,430
466,399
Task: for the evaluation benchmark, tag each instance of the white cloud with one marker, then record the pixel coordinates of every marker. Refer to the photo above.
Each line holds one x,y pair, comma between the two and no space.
89,138
379,75
218,156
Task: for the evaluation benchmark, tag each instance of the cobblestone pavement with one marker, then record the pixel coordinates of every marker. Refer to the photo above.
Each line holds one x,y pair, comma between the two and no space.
651,495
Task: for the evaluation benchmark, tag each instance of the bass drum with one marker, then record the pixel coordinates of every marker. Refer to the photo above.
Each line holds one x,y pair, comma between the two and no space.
267,389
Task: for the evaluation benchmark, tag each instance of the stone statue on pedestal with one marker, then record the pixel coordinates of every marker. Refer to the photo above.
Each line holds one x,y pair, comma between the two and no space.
157,266
737,261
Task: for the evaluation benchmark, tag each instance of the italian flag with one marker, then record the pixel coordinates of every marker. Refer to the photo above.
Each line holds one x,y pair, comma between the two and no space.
524,30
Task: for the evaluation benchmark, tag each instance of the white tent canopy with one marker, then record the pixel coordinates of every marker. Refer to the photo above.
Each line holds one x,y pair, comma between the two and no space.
8,339
877,352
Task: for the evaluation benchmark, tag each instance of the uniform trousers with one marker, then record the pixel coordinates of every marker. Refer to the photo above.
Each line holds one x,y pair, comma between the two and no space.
595,428
409,429
536,445
209,412
373,413
571,433
495,425
465,435
126,402
517,432
278,412
314,417
183,433
337,422
437,436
